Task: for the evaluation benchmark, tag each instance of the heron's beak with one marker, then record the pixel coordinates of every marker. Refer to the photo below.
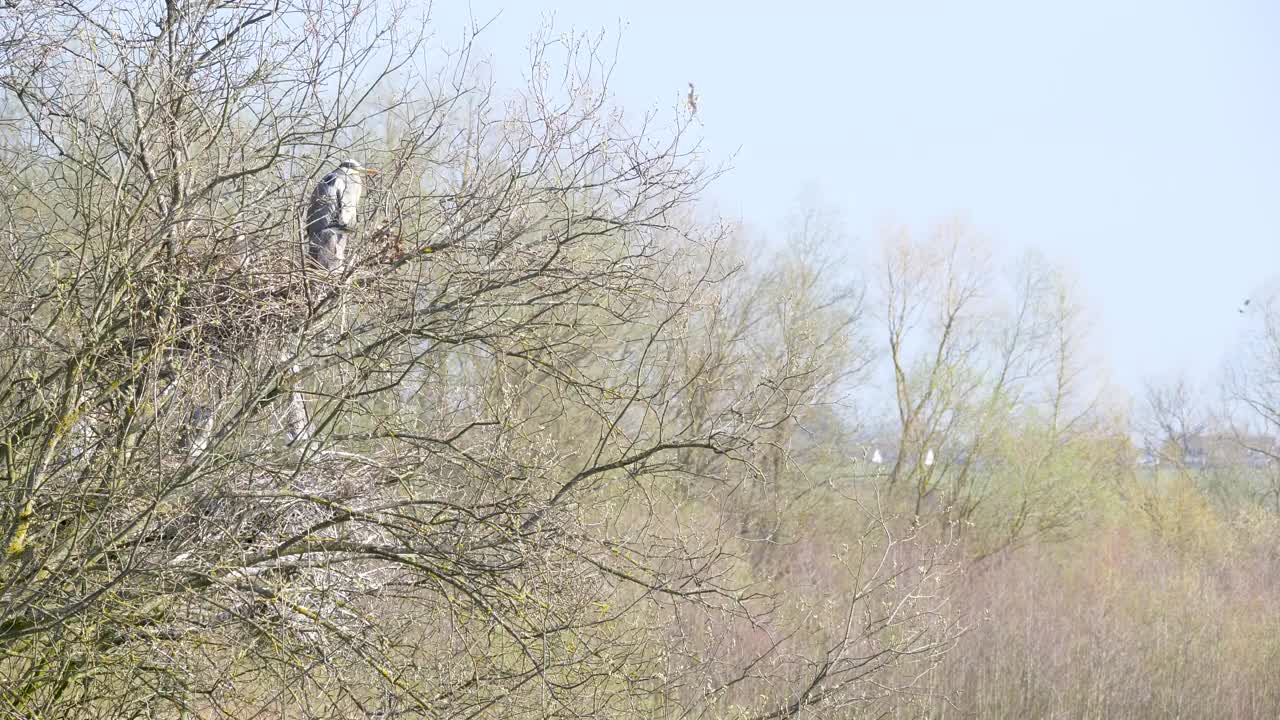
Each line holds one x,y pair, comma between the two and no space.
371,171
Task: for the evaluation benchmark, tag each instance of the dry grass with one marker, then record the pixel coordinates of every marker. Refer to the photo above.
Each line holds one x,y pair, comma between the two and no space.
1125,623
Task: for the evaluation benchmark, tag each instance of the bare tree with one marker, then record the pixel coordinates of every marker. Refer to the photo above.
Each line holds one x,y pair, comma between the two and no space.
499,387
1175,417
1252,411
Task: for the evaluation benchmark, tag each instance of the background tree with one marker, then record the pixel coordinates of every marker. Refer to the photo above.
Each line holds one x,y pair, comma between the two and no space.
997,427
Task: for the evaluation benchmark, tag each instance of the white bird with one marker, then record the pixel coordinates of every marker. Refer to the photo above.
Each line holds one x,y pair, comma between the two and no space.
331,216
876,458
928,458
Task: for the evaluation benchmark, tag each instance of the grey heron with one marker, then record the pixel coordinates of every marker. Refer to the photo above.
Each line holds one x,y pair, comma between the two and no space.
331,216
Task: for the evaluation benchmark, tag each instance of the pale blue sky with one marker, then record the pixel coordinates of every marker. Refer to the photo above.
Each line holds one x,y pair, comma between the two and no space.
1136,142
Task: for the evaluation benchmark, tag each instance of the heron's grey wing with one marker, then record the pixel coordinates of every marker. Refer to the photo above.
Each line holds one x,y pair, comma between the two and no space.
323,211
